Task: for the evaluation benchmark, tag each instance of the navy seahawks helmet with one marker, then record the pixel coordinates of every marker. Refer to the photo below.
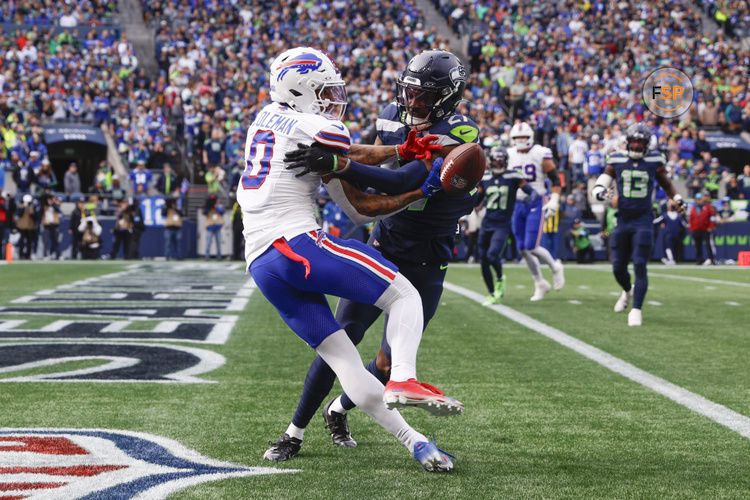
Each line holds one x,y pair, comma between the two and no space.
498,160
637,139
430,88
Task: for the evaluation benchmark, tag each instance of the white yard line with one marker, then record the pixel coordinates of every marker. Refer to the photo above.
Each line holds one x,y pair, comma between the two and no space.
700,280
716,412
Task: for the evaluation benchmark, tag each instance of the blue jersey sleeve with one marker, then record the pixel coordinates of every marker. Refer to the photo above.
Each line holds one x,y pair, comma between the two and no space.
406,178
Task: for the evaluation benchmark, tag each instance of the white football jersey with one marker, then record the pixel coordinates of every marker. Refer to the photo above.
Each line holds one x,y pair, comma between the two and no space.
530,165
274,202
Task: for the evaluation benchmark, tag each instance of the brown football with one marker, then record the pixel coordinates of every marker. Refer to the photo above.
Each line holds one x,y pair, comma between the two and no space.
462,169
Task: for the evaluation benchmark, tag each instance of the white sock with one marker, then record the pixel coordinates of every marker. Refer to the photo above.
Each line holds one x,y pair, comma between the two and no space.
543,255
533,264
670,255
337,407
363,388
403,305
295,432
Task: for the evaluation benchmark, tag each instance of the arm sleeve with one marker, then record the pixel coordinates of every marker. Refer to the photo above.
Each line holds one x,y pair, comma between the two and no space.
528,190
405,179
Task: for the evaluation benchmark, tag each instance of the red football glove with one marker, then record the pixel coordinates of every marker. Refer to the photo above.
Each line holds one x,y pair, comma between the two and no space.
418,148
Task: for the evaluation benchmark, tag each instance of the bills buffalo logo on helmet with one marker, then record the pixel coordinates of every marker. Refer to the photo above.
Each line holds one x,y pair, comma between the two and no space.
302,64
103,464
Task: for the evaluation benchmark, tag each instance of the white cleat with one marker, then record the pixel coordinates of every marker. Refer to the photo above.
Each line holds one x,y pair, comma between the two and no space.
558,276
541,288
624,301
634,317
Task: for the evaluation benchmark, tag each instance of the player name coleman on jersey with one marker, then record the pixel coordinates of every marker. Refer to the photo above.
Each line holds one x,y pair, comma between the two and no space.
104,464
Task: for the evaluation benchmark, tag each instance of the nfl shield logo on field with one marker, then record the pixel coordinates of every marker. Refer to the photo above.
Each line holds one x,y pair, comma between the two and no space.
102,464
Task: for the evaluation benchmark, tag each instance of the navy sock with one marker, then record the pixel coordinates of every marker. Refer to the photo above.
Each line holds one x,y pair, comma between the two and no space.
497,265
487,275
372,368
641,285
318,384
622,275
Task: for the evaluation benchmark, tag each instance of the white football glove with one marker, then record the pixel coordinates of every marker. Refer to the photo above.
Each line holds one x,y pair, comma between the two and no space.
551,206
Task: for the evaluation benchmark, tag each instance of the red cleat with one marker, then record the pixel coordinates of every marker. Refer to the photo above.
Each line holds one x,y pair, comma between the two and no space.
414,393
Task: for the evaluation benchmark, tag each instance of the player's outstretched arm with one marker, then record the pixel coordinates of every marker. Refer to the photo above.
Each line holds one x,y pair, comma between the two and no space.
668,187
372,205
415,148
603,182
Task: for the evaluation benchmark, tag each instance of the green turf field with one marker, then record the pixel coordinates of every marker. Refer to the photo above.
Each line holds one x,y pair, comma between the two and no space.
541,420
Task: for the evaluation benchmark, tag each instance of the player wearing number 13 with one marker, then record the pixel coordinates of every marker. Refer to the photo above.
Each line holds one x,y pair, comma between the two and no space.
634,170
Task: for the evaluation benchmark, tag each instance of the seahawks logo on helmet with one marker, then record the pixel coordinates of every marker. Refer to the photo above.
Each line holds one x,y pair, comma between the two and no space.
430,88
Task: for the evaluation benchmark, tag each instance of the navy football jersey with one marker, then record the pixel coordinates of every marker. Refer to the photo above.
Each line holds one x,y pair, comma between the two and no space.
499,196
635,181
425,231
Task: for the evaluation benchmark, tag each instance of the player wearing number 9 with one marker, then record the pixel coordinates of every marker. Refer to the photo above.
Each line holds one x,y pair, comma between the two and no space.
535,163
634,170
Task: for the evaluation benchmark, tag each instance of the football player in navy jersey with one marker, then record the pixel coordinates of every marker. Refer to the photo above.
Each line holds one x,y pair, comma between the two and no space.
634,171
419,239
498,194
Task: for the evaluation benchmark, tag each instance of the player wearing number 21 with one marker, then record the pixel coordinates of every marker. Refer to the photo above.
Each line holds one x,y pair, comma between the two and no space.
634,170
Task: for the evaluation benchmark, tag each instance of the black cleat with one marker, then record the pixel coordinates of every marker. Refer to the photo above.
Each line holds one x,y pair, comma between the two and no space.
338,427
284,449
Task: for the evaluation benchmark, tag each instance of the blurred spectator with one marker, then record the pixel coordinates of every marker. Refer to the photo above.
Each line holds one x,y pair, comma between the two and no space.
167,183
117,191
733,187
7,210
702,217
72,181
51,214
674,225
27,223
214,177
123,231
713,179
213,152
214,221
697,179
594,159
701,145
582,243
23,174
551,234
576,157
139,227
234,146
140,178
76,217
686,145
726,214
172,229
744,182
46,178
91,232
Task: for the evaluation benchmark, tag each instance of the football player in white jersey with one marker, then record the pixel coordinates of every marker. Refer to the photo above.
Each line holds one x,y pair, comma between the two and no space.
535,163
294,263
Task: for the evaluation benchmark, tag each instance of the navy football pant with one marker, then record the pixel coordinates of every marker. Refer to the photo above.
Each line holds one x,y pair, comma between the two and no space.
632,241
492,243
356,318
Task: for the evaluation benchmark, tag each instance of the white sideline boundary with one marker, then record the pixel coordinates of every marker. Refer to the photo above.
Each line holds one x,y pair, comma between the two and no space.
714,411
